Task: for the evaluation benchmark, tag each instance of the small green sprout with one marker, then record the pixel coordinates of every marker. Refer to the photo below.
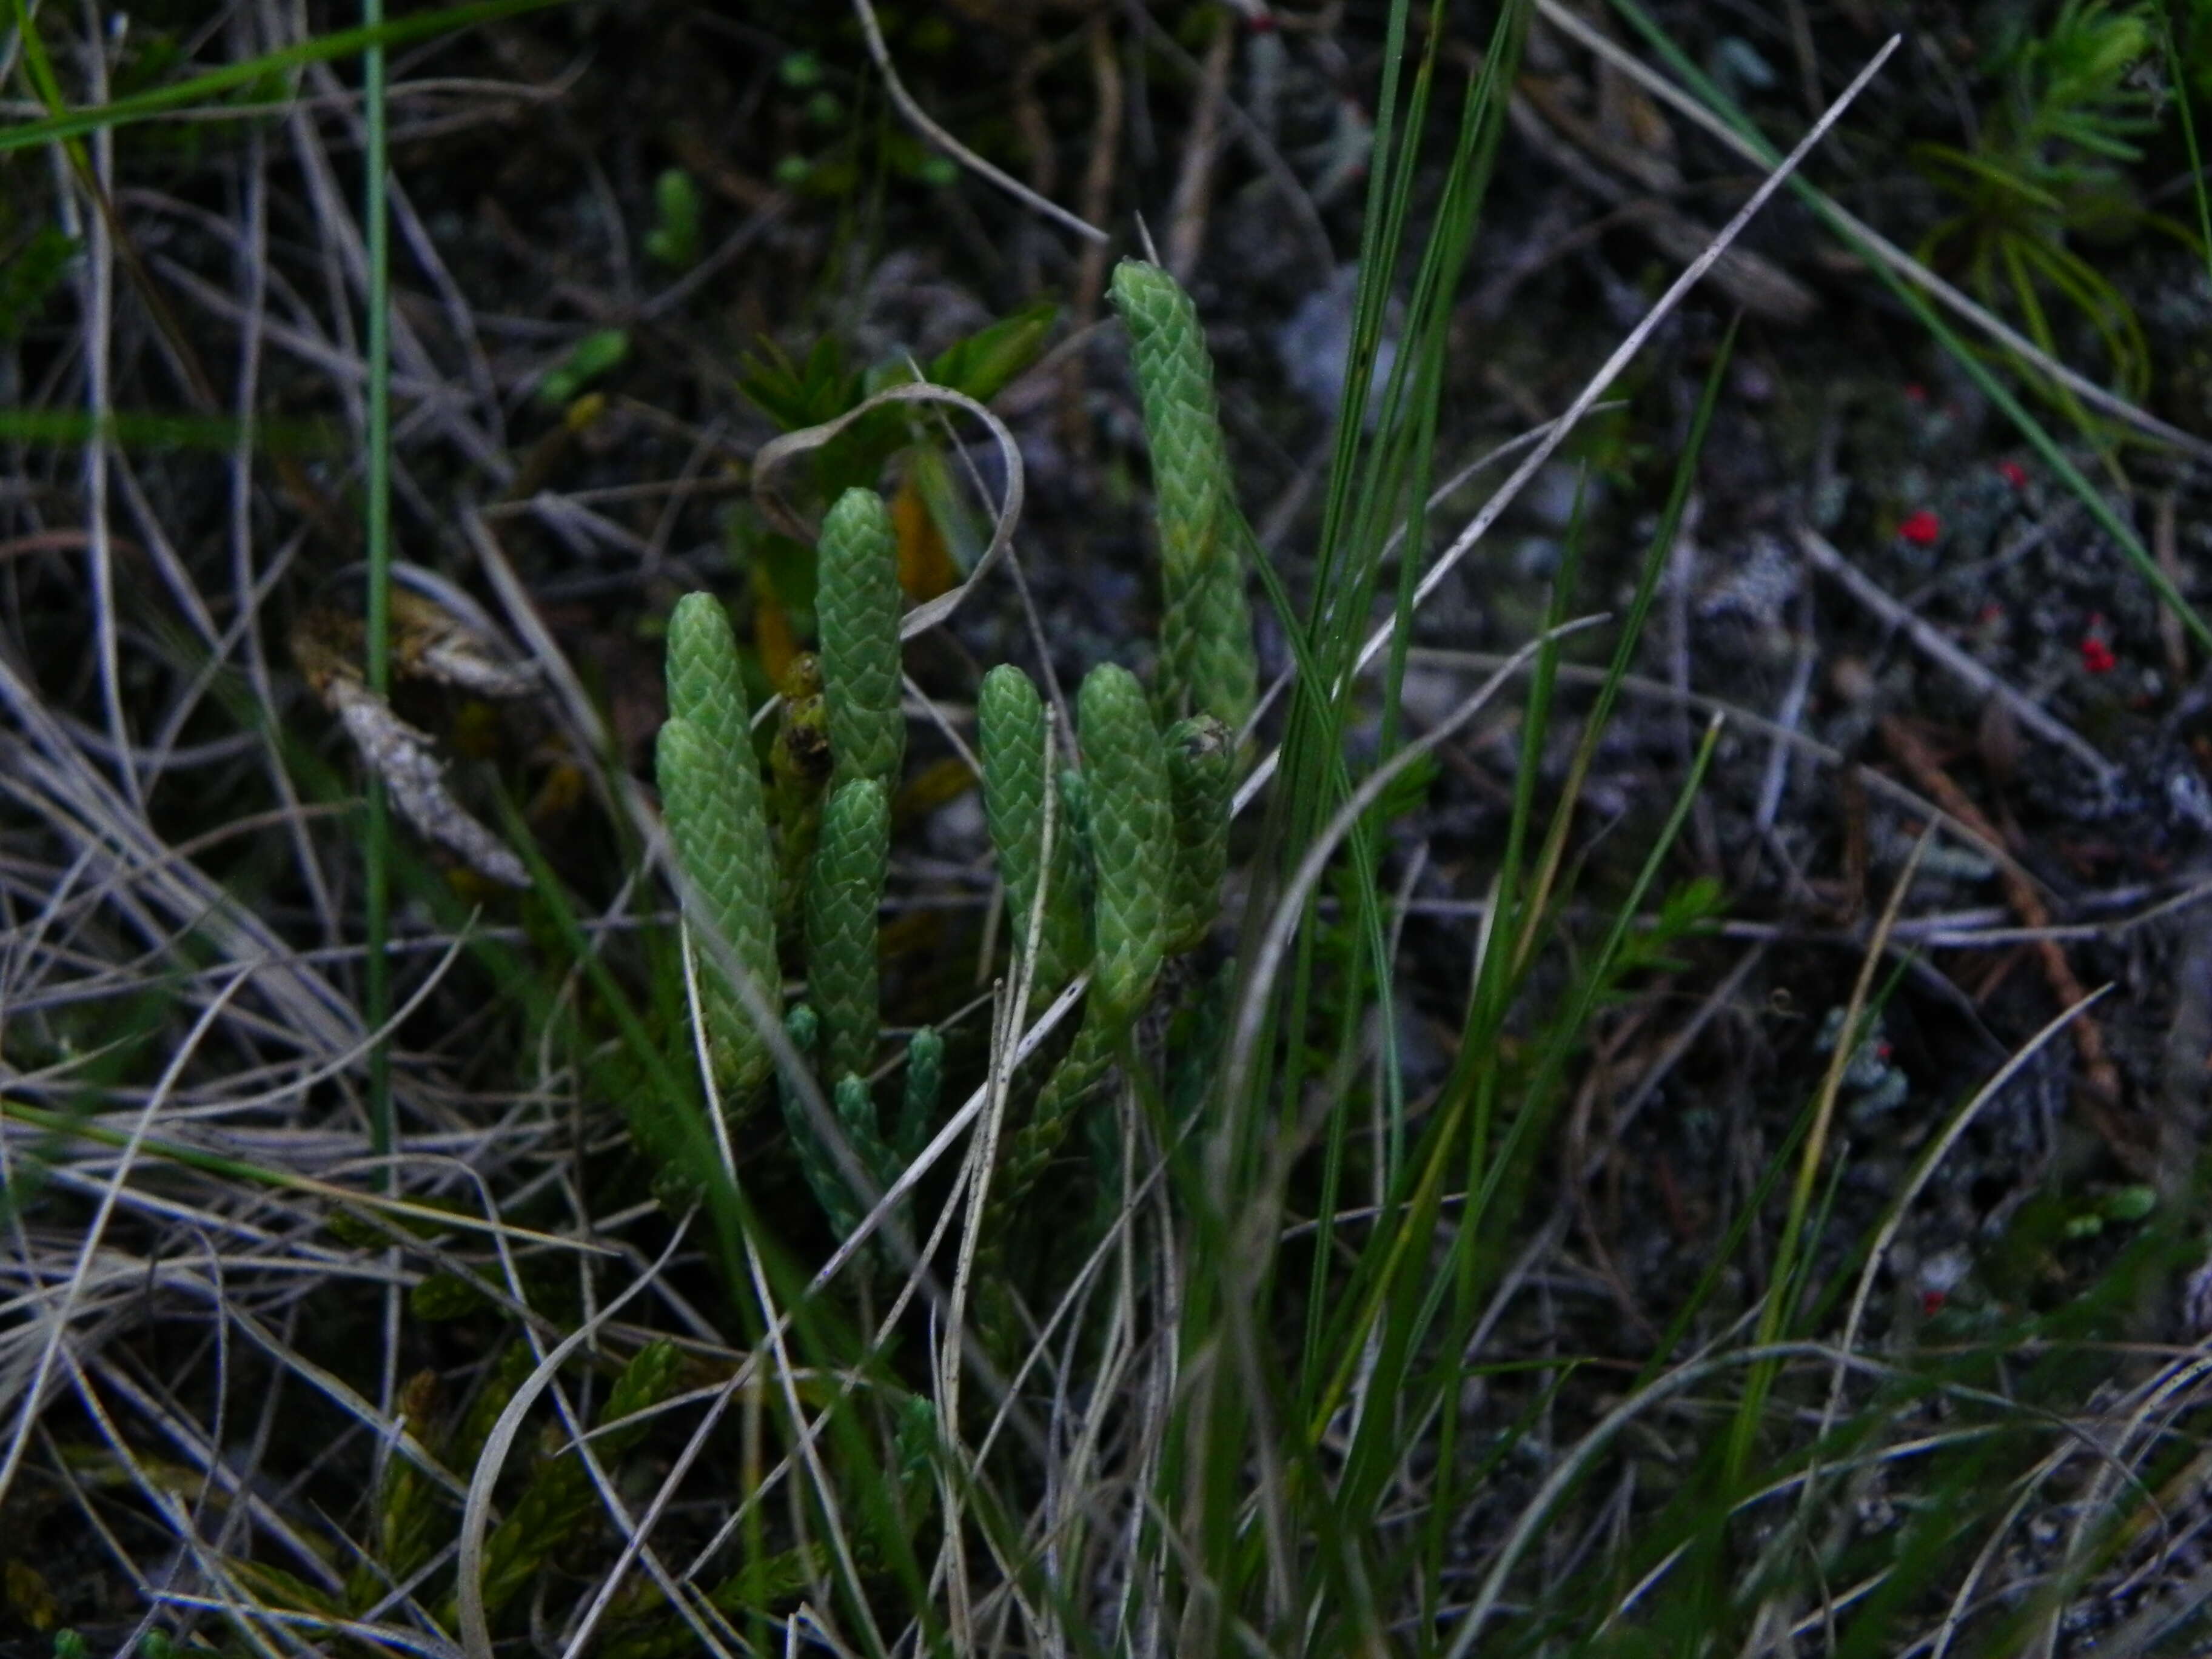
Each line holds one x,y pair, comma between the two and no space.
831,1188
560,1500
674,238
924,1085
2130,1203
595,355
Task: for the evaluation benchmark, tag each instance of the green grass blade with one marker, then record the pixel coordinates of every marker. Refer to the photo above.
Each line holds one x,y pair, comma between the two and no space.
1631,631
2199,186
329,48
376,493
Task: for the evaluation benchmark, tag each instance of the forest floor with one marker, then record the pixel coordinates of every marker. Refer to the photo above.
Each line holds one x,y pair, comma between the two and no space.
1960,728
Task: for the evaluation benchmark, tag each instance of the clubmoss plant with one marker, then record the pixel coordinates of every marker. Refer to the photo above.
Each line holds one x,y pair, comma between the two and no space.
799,769
1130,872
710,789
1132,850
706,681
643,1630
883,1157
1201,770
924,1088
559,1500
856,1115
1010,729
412,1518
1030,1149
1129,838
1207,661
823,1179
857,606
843,896
834,851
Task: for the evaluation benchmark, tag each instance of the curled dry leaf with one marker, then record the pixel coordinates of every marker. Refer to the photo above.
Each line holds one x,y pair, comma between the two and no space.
430,642
326,648
779,452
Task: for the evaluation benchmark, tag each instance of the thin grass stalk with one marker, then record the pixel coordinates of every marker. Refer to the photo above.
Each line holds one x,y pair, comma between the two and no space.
1314,779
1472,1085
1466,187
93,172
1365,498
2010,251
1631,631
2199,186
1398,1296
1544,1088
1207,1217
1389,191
1222,1414
1424,350
1403,1308
1495,982
1774,1315
1358,527
376,644
1380,1340
1362,494
1249,1246
1496,989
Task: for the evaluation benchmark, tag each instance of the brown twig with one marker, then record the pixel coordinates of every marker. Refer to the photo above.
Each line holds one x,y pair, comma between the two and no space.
2165,548
1038,151
1098,201
2100,1078
1194,192
1597,1088
1305,216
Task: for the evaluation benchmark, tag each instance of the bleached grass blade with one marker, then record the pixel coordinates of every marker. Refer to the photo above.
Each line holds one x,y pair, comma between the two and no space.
1923,1170
59,1316
476,1509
